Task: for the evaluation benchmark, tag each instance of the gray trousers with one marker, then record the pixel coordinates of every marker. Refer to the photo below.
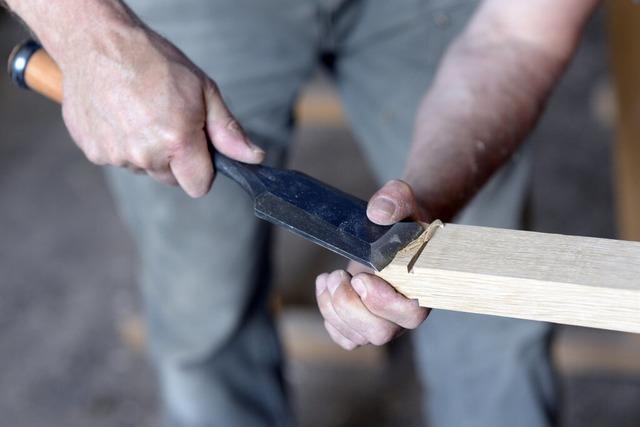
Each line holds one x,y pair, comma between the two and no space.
205,263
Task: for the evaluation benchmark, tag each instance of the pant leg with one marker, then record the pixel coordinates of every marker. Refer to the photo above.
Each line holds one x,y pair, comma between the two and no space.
204,263
487,370
476,370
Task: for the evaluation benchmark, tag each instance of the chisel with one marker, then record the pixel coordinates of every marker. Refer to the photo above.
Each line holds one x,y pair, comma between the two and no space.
293,200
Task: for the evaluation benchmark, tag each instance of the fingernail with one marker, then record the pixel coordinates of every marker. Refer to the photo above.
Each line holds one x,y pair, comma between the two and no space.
359,286
383,207
235,131
256,150
321,284
259,152
333,282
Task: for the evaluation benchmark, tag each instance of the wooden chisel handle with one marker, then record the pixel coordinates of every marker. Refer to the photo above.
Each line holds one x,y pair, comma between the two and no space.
31,67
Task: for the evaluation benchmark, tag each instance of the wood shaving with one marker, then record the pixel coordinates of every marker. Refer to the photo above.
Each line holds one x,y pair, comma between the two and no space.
415,248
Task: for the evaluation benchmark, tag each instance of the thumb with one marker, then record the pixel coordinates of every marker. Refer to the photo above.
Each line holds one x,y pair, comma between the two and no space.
226,134
393,202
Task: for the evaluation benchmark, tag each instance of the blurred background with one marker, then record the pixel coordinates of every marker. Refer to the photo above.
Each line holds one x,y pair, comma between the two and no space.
71,335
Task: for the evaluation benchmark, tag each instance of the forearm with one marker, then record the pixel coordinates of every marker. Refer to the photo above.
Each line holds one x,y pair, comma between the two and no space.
483,103
486,97
71,28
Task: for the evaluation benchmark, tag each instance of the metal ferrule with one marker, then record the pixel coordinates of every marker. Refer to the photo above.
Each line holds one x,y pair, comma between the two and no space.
19,59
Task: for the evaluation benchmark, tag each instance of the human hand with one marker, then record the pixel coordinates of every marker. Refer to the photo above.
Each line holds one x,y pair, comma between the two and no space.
138,102
359,307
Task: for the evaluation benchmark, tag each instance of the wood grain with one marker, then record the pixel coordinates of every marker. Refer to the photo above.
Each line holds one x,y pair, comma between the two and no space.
572,280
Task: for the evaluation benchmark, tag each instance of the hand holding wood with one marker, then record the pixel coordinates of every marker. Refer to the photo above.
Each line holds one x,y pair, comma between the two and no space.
360,308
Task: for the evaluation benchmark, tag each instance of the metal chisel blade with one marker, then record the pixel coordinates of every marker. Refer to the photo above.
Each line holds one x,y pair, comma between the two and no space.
330,217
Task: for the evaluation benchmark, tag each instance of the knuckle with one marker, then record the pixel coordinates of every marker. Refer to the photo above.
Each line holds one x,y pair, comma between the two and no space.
140,157
175,141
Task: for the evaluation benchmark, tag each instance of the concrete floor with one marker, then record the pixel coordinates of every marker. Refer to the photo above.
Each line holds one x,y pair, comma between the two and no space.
67,273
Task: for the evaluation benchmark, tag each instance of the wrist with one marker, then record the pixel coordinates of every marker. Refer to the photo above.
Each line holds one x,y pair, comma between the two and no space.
433,202
443,166
70,29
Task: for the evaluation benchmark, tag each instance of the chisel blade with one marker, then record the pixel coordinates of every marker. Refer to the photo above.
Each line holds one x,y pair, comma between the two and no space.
326,216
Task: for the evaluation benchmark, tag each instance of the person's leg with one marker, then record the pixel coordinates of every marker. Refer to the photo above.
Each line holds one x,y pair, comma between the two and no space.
204,265
477,370
486,370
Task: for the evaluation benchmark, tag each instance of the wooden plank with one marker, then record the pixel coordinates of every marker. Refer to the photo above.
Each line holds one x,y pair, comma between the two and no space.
624,33
572,280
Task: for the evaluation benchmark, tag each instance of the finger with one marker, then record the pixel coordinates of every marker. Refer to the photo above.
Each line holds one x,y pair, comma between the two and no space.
384,301
225,132
192,167
393,202
323,297
351,310
354,268
338,338
321,283
95,154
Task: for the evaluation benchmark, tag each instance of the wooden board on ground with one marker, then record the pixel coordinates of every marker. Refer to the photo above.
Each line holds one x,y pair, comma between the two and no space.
571,280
